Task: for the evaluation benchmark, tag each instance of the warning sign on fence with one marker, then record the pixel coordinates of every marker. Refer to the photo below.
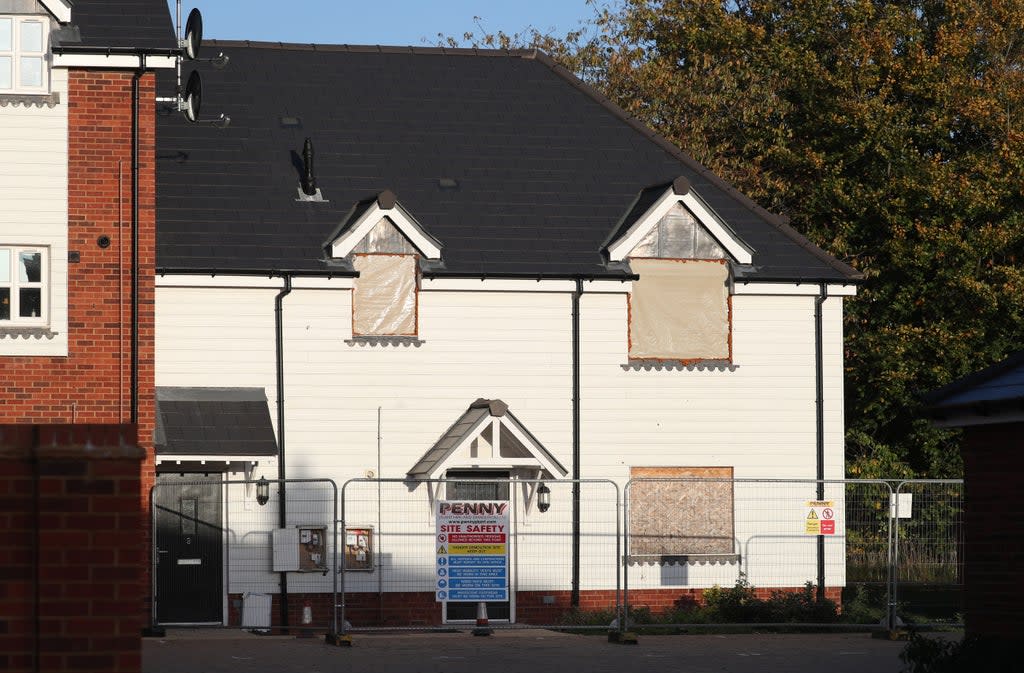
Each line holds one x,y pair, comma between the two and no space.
472,554
821,518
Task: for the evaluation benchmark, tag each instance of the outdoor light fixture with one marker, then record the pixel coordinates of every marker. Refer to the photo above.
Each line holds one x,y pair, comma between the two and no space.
543,497
262,491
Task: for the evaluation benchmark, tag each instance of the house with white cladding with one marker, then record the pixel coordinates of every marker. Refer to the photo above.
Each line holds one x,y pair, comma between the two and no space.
435,274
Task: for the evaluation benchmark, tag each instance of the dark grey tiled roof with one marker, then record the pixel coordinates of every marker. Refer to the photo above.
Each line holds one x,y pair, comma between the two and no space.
545,168
995,387
213,421
138,24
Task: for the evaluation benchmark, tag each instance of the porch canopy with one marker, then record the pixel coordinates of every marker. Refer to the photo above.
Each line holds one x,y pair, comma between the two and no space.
215,428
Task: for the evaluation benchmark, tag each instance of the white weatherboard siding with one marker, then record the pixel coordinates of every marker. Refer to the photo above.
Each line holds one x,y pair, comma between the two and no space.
758,418
34,194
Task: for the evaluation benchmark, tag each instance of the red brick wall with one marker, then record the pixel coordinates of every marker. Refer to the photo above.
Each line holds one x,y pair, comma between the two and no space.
993,529
69,509
92,384
418,608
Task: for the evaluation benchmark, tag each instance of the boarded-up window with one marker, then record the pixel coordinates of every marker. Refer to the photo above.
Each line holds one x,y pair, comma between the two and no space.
384,295
680,511
679,310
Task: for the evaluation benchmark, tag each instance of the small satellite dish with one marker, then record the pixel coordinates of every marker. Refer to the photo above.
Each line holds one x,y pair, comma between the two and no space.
192,99
193,34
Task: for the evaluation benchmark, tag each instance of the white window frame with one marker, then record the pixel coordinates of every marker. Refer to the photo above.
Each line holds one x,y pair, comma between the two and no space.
14,285
16,53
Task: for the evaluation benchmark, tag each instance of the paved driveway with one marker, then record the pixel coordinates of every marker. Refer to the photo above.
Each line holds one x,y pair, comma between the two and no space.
535,651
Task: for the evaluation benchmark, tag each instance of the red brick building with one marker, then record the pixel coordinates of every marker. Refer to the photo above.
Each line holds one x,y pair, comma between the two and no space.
989,406
77,231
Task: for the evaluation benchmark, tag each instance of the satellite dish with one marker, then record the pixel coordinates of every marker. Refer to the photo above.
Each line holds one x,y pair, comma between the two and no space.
193,34
192,99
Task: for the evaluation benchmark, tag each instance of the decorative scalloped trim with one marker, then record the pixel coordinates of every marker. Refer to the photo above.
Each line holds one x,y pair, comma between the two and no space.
681,560
28,99
385,341
27,332
680,365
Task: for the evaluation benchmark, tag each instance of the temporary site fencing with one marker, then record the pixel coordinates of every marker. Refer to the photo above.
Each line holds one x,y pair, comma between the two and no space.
664,551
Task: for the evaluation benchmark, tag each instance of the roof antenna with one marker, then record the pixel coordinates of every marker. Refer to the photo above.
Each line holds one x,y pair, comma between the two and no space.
188,99
308,190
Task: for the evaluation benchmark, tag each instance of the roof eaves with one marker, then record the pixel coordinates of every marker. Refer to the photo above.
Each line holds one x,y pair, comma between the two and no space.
934,398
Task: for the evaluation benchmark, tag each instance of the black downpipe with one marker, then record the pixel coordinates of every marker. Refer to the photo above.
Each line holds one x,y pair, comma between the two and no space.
575,596
819,400
281,470
134,385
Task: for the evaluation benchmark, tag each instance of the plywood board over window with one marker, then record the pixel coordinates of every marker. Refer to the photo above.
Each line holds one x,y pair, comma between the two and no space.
679,310
384,298
681,511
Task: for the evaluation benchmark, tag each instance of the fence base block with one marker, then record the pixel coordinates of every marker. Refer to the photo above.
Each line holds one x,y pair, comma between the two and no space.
338,639
623,637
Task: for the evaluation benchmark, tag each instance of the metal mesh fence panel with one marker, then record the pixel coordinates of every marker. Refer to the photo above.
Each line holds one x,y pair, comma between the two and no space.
400,588
716,550
929,551
246,554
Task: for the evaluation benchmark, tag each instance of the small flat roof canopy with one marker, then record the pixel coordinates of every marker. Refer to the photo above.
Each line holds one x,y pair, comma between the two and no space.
213,425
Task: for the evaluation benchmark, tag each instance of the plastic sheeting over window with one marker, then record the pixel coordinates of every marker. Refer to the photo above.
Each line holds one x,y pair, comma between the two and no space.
385,237
384,296
679,310
678,235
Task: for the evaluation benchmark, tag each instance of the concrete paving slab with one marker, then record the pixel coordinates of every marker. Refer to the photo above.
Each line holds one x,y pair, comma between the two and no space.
229,651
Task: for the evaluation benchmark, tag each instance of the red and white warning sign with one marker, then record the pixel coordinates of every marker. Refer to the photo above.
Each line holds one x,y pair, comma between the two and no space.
821,518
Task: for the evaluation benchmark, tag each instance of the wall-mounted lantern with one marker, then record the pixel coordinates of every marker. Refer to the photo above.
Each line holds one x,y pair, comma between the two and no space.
262,491
543,497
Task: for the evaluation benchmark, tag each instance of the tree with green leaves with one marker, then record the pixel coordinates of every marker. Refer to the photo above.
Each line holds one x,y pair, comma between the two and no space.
891,133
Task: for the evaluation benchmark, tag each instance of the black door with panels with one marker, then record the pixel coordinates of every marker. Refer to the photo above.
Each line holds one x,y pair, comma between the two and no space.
189,546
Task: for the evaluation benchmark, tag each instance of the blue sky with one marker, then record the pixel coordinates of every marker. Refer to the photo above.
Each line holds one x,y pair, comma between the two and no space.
391,22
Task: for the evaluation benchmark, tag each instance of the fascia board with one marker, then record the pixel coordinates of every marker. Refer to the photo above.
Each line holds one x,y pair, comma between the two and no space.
346,243
535,450
792,289
60,9
99,60
443,464
621,248
716,228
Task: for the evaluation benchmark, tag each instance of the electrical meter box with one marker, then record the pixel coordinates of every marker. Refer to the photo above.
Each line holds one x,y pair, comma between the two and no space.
358,548
301,549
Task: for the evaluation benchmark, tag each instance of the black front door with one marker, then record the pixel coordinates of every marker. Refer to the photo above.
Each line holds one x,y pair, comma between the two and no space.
189,544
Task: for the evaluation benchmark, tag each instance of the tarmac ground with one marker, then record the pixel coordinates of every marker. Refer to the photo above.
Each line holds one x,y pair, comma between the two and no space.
534,651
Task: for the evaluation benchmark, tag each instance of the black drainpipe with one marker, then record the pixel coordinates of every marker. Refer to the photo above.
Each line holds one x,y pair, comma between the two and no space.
281,471
575,596
819,401
135,240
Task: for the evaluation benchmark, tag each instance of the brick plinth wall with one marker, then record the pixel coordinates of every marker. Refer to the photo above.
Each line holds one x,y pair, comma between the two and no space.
92,383
73,565
419,609
993,530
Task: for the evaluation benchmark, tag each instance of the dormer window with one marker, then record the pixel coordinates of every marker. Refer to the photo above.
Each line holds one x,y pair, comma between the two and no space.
23,54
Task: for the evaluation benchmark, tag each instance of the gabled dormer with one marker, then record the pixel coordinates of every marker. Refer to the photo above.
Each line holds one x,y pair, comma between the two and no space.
384,243
381,225
672,221
680,307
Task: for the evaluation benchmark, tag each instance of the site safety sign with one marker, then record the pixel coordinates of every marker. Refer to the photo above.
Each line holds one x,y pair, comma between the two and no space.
471,558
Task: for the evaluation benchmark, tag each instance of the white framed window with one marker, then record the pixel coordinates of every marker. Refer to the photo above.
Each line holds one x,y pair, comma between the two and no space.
24,291
23,47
